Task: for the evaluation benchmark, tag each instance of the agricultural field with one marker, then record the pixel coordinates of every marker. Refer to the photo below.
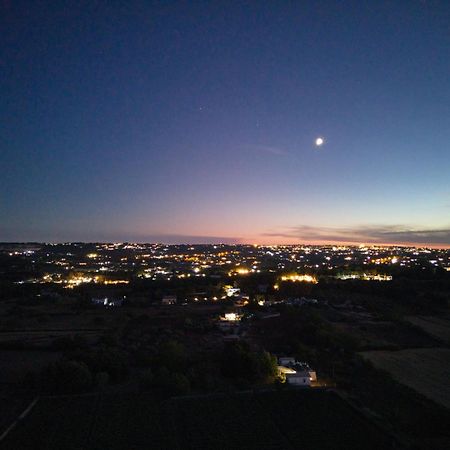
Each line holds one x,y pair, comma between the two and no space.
324,421
11,406
41,339
92,422
437,327
273,420
373,335
426,370
59,318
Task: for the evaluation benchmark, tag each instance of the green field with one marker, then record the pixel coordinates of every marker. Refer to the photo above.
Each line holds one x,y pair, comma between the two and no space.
274,420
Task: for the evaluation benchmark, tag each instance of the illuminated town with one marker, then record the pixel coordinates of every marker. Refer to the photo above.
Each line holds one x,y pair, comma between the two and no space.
117,264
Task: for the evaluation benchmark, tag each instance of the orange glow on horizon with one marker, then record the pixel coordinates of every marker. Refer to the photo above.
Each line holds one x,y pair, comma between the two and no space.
293,241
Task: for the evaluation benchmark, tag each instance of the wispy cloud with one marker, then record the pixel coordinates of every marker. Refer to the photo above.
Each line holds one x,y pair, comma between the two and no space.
268,149
395,234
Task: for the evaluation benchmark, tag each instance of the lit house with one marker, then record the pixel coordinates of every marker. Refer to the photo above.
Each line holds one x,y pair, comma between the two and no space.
105,301
231,317
231,291
169,300
296,373
241,301
229,320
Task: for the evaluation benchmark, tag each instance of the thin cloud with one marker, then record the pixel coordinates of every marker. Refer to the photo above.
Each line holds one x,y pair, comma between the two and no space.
268,149
395,234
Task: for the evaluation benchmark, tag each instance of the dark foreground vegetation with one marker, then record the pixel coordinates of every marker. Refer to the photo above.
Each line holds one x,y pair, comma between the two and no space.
270,420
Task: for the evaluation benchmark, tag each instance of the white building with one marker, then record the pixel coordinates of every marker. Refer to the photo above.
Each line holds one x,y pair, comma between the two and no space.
105,301
296,372
232,291
291,376
169,300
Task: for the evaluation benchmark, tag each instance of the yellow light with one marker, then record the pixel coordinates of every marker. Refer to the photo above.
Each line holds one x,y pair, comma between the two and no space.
231,317
300,278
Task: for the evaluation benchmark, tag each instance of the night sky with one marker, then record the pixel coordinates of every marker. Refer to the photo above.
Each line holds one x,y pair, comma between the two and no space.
196,121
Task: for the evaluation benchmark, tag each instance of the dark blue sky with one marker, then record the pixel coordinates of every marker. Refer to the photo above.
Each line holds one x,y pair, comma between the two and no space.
196,121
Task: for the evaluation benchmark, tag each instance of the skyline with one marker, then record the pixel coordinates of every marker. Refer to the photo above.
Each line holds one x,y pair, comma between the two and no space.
183,123
176,240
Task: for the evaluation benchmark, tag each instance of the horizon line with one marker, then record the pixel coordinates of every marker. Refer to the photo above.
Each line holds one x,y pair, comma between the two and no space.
249,244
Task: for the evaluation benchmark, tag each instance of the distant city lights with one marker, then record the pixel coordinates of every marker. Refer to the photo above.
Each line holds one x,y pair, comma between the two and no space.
301,278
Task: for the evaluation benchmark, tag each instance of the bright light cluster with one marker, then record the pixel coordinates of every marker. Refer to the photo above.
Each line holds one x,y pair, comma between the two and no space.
296,277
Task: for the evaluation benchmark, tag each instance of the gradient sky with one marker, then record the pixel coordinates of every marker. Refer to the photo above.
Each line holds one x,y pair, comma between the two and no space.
195,121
